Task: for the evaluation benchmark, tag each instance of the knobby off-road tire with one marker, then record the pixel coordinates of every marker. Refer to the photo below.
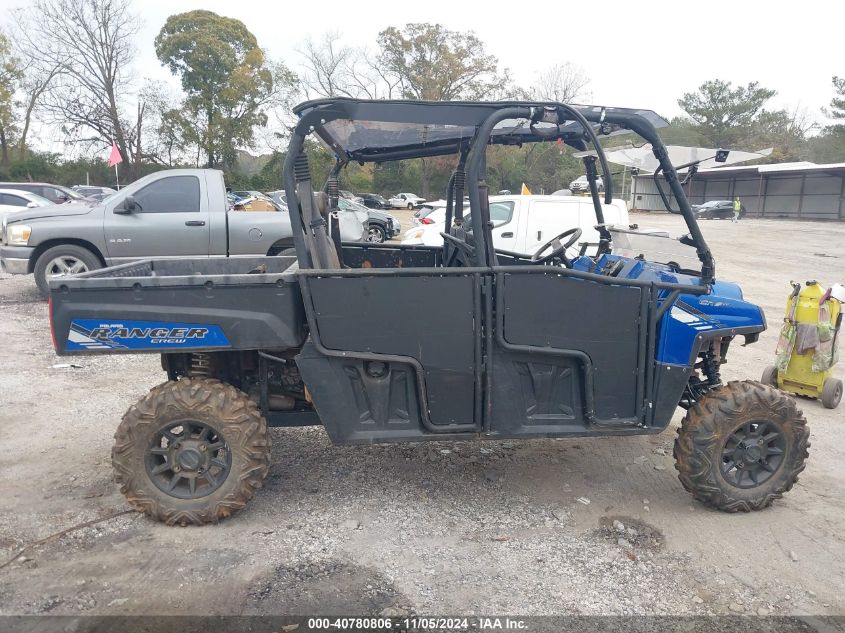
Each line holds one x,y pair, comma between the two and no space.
222,432
710,446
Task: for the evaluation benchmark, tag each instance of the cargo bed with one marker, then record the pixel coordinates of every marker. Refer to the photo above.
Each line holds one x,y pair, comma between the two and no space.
196,304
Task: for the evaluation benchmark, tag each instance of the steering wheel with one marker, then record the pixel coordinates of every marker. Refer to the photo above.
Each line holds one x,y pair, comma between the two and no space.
559,248
460,246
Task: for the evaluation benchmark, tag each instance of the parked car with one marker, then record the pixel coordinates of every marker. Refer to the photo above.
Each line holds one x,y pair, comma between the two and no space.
57,194
12,200
171,213
94,193
351,196
405,201
522,224
717,210
423,215
581,185
381,226
374,201
278,197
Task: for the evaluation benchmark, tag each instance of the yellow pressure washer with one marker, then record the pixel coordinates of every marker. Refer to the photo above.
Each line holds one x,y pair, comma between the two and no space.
808,347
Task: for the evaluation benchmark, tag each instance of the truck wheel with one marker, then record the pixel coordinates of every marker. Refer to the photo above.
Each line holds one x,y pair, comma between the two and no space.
64,259
376,234
191,451
741,446
831,393
410,206
770,376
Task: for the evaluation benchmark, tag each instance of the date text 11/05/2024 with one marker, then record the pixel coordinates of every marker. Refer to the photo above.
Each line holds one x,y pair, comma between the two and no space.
419,624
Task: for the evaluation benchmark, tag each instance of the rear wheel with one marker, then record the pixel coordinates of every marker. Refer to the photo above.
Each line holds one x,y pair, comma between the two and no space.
191,451
831,393
410,206
770,376
741,446
61,261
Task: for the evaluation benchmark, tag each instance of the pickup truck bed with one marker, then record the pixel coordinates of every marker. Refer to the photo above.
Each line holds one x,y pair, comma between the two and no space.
170,305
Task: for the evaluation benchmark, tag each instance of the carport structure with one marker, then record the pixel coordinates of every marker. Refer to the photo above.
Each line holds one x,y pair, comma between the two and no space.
783,190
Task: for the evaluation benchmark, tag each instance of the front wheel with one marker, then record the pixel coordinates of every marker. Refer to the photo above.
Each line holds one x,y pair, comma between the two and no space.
191,451
376,234
410,206
741,446
60,261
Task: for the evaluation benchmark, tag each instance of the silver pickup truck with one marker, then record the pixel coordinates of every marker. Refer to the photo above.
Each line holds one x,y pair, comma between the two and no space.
171,213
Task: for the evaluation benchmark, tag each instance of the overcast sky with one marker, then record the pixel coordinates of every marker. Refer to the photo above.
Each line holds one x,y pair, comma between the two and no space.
636,54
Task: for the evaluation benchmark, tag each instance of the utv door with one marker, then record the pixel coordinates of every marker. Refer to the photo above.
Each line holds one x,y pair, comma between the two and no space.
394,353
569,352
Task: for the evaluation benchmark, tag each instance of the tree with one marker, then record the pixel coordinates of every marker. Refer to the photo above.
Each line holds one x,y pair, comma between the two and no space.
326,64
432,62
226,78
85,47
332,69
10,73
786,131
837,105
721,111
562,83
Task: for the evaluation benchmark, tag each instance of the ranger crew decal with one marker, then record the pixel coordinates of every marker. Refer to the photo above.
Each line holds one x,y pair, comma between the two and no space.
88,334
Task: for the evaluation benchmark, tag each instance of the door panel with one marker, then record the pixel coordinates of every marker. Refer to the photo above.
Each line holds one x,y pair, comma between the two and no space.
504,221
430,320
565,345
171,221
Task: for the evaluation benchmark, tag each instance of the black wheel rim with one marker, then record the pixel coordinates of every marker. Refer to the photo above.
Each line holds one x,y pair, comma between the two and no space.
188,459
752,454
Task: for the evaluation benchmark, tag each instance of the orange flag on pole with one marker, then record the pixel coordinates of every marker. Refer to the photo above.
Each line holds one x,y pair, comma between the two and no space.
525,190
115,157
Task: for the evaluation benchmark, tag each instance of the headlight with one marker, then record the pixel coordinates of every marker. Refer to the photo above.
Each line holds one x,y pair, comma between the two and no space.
18,234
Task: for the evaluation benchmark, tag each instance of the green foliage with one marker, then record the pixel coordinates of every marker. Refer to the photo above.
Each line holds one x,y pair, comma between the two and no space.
435,63
10,73
49,167
226,80
837,104
721,111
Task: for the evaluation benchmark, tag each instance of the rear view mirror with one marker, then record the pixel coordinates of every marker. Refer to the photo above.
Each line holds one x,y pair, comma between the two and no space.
32,205
722,155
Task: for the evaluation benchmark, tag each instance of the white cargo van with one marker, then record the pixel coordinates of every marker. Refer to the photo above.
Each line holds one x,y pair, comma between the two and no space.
522,224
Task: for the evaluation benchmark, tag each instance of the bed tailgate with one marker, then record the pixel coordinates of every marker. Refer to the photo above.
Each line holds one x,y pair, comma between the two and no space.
159,306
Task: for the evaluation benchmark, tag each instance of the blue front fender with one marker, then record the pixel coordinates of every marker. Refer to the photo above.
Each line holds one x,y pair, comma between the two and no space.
693,318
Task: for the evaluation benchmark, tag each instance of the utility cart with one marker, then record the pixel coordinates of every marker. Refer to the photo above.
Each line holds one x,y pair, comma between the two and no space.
392,343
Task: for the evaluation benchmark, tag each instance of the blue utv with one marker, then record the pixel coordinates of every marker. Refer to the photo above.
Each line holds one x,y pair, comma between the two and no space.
597,333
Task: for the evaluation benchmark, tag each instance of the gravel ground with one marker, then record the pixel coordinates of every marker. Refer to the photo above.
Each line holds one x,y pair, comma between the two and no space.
587,526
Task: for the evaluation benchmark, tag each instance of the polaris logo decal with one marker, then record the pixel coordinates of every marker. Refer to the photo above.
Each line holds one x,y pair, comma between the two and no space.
93,334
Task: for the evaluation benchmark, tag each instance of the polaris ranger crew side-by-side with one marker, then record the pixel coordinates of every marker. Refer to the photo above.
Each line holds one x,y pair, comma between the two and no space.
389,343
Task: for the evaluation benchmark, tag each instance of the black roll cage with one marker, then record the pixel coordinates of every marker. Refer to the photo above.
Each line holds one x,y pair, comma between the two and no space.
573,125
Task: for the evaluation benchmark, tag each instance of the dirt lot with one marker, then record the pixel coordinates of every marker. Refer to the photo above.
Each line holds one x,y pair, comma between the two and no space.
493,527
